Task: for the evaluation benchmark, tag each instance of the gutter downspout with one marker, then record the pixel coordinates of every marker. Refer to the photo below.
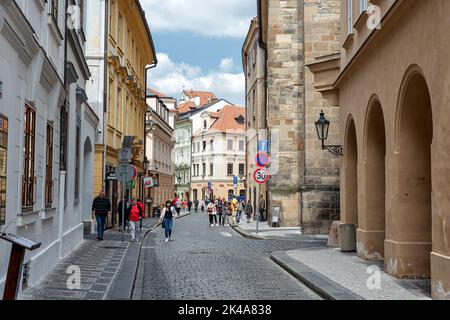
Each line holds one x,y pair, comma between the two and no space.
105,92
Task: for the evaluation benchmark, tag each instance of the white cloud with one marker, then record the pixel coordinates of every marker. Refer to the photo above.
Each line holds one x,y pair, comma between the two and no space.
215,18
170,77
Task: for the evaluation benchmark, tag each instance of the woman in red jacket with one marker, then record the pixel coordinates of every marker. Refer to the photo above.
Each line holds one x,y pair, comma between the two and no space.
135,215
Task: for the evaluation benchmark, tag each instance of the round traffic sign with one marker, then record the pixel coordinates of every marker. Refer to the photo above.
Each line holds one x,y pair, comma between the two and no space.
125,172
261,176
262,159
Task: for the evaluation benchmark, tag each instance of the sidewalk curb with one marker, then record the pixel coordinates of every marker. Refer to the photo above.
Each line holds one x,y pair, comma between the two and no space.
323,286
247,235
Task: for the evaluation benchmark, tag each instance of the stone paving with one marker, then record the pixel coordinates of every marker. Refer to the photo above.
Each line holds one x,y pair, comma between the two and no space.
99,263
205,262
351,272
269,232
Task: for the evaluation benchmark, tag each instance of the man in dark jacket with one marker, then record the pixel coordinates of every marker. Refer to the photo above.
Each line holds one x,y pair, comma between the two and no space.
101,208
126,211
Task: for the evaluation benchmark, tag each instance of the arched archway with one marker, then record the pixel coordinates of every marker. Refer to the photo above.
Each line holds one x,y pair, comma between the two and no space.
408,244
371,232
350,200
88,173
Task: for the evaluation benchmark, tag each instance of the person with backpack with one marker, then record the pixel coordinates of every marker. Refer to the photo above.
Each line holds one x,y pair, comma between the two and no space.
234,209
136,214
167,220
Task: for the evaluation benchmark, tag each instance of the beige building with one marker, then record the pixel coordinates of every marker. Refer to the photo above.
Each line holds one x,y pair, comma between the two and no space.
160,122
392,85
218,154
304,180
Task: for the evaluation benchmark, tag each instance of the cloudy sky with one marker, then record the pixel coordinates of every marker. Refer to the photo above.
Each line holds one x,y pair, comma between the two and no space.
199,44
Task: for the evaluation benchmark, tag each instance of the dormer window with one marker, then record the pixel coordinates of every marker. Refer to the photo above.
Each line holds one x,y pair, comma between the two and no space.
240,119
205,125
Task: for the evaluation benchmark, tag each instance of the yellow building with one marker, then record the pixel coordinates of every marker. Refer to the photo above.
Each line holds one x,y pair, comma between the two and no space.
129,50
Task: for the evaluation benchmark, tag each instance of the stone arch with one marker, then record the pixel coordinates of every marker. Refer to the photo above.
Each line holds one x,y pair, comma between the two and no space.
350,163
88,173
408,244
371,231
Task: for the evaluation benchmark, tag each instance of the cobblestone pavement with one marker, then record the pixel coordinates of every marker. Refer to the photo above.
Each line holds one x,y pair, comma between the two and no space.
99,263
205,262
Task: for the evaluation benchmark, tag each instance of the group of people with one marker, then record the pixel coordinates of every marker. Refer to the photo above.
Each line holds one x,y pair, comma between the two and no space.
225,213
133,214
220,213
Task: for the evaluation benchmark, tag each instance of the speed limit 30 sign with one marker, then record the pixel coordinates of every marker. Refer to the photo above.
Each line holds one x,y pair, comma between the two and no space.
261,176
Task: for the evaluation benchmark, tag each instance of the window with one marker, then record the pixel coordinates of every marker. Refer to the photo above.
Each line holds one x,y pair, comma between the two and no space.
120,31
229,144
241,145
241,169
230,169
350,16
205,125
3,166
204,169
204,145
77,164
211,145
211,169
63,138
254,55
49,168
28,179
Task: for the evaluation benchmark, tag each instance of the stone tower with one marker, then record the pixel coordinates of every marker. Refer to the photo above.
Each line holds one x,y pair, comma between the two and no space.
304,178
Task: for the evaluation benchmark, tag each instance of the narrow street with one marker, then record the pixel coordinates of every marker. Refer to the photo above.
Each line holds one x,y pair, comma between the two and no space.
205,262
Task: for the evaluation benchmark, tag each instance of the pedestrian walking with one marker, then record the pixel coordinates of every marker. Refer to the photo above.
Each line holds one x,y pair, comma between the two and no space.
196,205
240,208
220,211
203,205
141,205
226,213
212,213
248,210
135,215
189,205
101,208
167,220
262,208
121,205
234,209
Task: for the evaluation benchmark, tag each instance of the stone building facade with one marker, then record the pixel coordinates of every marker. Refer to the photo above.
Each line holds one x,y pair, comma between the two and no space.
392,84
304,180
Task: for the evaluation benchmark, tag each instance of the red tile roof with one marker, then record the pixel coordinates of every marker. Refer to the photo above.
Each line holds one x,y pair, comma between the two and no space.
205,96
227,119
156,93
186,107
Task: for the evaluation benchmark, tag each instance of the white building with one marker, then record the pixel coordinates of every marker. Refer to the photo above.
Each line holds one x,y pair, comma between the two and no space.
218,154
37,87
190,120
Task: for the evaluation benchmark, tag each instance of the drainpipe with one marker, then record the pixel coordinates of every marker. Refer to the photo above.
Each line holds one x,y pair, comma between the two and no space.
105,91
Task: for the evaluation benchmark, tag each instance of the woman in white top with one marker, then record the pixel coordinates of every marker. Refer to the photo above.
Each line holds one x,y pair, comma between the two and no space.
212,213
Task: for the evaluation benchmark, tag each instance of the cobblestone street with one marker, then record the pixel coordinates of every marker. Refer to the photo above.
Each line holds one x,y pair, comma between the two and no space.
206,262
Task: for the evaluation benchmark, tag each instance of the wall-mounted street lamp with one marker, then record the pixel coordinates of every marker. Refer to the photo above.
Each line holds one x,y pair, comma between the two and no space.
322,127
146,164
